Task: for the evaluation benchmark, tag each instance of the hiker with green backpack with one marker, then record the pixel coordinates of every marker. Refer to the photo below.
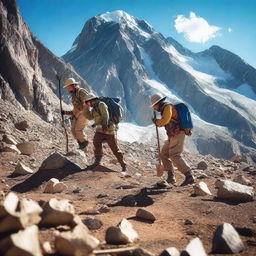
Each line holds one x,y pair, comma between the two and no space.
106,114
172,118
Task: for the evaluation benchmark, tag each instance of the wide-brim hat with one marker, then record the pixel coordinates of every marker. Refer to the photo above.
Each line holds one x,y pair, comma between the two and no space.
90,96
156,98
70,81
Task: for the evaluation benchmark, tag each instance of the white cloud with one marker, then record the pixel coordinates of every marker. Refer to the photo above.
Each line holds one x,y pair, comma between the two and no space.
230,30
195,28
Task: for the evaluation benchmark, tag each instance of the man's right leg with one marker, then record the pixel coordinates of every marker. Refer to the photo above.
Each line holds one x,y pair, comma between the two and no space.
168,166
97,142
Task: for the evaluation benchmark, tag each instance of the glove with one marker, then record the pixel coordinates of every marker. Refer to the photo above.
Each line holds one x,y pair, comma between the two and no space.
64,112
104,127
154,120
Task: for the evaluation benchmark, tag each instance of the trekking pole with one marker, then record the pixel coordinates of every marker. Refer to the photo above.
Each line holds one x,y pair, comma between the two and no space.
58,77
160,167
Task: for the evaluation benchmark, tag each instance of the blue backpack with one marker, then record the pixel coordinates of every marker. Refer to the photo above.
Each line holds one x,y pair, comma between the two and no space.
114,109
185,120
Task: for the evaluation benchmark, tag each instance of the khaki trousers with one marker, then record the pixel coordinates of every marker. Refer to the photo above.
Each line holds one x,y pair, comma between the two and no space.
78,124
171,154
99,138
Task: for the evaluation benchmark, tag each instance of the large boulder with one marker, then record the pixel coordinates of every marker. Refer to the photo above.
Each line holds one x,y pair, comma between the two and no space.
54,161
234,191
145,215
57,212
18,214
226,240
25,242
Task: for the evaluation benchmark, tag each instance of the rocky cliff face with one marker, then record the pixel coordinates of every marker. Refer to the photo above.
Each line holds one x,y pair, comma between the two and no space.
233,64
27,69
120,55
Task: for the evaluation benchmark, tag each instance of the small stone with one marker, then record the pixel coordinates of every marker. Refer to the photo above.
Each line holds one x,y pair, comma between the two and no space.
54,186
202,165
9,139
23,125
201,189
92,223
27,148
146,215
22,169
123,233
188,222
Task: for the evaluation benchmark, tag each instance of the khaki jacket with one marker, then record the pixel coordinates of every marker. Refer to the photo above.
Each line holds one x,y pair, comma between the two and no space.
78,99
99,113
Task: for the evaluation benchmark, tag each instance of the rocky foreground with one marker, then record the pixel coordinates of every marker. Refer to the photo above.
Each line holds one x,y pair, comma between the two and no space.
53,203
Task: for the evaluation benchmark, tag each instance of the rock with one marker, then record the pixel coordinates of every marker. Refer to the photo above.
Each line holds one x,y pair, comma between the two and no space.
9,148
57,212
54,186
22,169
25,242
202,165
26,214
27,148
9,204
92,223
9,139
123,233
201,189
172,251
54,161
47,249
144,214
75,242
23,125
188,222
238,159
194,248
226,240
234,191
242,180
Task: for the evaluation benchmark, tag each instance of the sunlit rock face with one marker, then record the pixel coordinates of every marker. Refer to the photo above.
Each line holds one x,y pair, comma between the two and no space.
28,69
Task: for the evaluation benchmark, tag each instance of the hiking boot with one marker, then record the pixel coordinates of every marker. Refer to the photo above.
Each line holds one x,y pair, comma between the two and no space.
170,178
189,179
83,145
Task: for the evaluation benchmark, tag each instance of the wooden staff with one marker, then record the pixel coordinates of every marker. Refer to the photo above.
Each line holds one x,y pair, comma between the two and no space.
58,77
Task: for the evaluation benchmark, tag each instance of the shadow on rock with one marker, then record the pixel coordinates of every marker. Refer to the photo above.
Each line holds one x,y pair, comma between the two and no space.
43,175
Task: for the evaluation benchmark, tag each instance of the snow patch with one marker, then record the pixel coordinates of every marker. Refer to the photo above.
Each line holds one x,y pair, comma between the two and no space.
247,91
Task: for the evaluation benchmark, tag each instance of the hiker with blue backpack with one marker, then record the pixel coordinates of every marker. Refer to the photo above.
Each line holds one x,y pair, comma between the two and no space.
173,147
106,114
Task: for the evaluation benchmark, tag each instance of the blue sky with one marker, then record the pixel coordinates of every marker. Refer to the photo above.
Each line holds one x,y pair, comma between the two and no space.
196,24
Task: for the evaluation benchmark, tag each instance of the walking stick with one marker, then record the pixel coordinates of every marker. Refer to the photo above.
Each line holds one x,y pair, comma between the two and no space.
159,167
58,77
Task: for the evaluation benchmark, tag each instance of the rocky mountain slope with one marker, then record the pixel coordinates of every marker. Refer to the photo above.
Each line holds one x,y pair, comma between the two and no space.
102,197
28,69
123,56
